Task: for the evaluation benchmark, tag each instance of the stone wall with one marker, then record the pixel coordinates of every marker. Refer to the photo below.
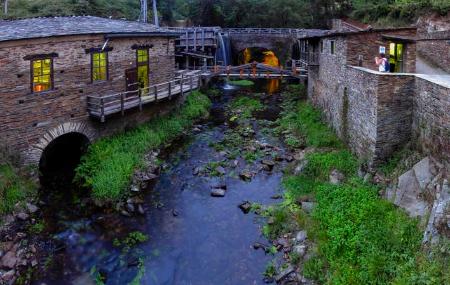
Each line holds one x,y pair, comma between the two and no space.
431,117
26,117
394,113
436,51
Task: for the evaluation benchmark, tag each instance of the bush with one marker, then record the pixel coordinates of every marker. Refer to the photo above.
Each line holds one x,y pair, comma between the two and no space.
14,188
109,164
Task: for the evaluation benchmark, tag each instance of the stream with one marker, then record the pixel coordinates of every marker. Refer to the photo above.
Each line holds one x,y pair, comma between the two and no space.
193,238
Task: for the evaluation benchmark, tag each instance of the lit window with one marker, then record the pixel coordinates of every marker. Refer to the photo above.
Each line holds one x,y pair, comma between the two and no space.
42,74
99,66
332,47
142,66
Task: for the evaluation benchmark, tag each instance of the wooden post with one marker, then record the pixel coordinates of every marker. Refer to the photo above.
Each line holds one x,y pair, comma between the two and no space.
195,39
156,93
140,100
102,110
170,89
187,41
122,104
203,39
181,84
190,83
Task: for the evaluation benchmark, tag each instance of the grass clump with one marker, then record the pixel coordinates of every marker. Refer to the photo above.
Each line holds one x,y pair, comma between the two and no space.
244,107
110,162
243,83
14,188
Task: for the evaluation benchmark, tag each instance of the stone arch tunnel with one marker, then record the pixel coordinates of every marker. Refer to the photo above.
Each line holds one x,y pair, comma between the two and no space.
281,45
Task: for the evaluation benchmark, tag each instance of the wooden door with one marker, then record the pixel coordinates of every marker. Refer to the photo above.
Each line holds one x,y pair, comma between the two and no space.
131,82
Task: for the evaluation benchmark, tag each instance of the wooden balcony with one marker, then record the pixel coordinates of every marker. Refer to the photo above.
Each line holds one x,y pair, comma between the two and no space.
102,106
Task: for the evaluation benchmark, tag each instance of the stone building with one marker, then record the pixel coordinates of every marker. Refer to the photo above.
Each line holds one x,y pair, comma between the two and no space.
377,113
50,66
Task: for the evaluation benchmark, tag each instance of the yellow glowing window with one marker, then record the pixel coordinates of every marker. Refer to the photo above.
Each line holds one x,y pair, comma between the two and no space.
99,66
42,75
142,67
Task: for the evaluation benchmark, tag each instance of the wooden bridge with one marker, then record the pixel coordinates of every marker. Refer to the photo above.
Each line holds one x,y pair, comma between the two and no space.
256,70
185,81
102,106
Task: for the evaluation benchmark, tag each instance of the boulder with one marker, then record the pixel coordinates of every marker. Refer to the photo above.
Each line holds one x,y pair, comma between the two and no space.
407,195
246,175
220,170
217,192
423,171
300,237
283,274
300,167
307,206
245,207
22,216
300,249
9,260
32,208
336,177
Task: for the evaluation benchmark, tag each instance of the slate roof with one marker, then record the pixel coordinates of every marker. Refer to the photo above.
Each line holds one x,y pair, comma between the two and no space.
76,25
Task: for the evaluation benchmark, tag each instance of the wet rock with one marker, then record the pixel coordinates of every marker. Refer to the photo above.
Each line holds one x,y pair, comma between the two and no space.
20,235
125,213
266,167
134,188
148,177
270,221
283,274
246,175
175,213
32,208
140,209
268,162
368,178
336,177
245,207
22,216
9,260
236,163
34,262
223,153
282,242
300,237
8,276
196,130
8,219
196,171
289,158
130,207
217,192
258,245
276,196
408,193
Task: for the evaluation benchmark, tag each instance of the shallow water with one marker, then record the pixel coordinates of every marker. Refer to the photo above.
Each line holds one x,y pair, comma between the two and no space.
193,238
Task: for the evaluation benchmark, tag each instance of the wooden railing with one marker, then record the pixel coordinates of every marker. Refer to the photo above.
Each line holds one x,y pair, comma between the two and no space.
102,106
260,31
252,70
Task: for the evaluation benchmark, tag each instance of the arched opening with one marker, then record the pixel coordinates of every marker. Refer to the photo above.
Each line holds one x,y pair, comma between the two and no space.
258,54
60,158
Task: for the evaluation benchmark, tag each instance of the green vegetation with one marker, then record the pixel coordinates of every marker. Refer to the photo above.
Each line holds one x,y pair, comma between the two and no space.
14,188
243,83
240,13
109,163
244,106
359,238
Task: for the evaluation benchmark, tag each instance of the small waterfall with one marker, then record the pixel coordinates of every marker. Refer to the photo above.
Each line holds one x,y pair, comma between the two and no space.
224,51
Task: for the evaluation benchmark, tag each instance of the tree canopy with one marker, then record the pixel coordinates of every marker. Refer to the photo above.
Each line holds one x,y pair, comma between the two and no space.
239,13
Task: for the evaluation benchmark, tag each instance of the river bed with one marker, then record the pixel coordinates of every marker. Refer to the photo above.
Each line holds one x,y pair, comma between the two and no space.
193,238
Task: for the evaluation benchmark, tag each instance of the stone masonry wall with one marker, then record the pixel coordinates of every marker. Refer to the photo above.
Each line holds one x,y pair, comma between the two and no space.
431,118
394,114
26,117
366,46
436,52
